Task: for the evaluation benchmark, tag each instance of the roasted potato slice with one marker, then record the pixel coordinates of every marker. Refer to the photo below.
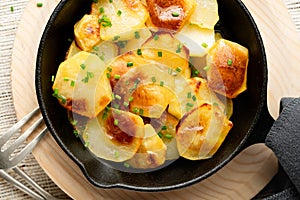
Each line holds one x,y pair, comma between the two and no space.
170,15
201,132
205,95
152,151
227,68
197,40
87,32
205,14
121,64
164,48
81,86
119,19
150,100
114,135
145,90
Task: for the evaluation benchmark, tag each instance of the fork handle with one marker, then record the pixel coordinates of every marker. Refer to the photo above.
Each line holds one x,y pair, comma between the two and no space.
19,185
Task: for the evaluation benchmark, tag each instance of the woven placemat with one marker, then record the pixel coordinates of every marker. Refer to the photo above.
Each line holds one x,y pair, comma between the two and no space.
10,15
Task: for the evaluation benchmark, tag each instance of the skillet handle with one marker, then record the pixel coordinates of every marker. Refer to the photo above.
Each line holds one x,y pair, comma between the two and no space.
262,127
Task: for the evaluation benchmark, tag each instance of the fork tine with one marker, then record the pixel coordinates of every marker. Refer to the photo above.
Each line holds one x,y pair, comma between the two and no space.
17,126
19,185
27,149
22,138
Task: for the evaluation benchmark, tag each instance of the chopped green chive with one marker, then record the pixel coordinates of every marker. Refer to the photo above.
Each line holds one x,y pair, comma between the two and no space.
39,4
130,99
164,127
229,62
119,13
112,96
141,111
12,9
95,1
194,98
52,78
160,134
126,104
159,54
117,76
135,110
118,97
156,37
117,154
206,68
75,132
82,66
116,38
179,47
215,104
175,14
189,95
110,1
130,64
72,84
109,69
116,122
105,21
126,165
101,10
153,79
139,52
66,79
108,75
195,73
170,71
122,44
204,45
178,69
189,104
90,74
116,106
95,48
69,40
137,35
87,144
161,83
104,116
168,136
74,122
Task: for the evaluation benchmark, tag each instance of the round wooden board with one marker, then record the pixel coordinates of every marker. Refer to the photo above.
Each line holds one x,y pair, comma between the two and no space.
242,178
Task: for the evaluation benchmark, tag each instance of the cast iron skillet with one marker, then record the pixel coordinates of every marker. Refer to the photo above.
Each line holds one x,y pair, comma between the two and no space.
251,118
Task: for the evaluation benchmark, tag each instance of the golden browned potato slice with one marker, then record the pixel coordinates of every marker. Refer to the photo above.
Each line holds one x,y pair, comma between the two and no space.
197,40
145,90
151,100
152,151
227,68
121,64
73,49
165,49
205,14
114,135
201,132
87,32
81,85
119,19
170,15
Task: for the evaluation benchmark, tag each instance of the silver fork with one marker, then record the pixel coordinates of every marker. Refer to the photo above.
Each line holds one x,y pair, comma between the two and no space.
10,161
